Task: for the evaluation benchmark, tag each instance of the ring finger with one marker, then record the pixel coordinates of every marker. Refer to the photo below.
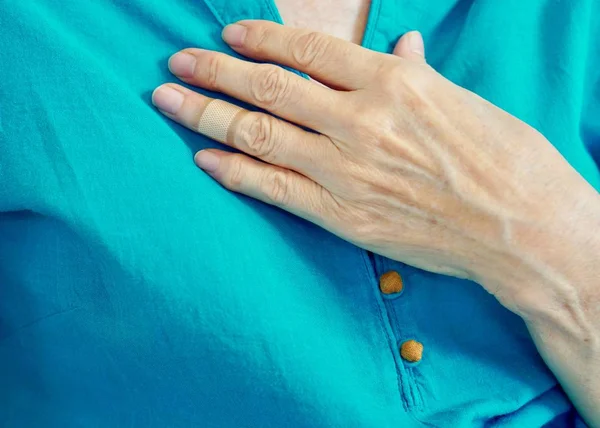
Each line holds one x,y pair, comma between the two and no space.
257,134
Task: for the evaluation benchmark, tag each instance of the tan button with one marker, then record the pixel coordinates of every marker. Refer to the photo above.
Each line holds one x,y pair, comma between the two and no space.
411,351
390,282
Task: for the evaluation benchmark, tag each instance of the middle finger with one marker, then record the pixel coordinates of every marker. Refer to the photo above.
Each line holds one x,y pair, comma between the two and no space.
257,134
267,86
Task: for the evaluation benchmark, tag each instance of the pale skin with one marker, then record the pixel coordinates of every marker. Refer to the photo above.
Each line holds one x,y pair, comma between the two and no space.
345,19
408,165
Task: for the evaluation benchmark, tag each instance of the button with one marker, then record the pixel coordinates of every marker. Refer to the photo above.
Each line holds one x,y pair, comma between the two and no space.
411,351
390,282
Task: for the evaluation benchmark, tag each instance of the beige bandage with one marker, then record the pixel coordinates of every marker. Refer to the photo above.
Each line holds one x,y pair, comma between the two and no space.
217,118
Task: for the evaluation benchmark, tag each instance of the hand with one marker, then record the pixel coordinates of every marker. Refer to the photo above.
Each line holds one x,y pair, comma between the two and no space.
403,162
408,165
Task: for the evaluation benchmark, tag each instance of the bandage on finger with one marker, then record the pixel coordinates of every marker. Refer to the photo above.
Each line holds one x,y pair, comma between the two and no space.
217,118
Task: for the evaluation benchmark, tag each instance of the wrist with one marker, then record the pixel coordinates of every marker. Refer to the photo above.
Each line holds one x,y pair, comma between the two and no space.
546,270
550,271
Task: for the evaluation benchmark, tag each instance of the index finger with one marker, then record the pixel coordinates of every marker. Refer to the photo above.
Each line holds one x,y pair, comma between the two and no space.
335,62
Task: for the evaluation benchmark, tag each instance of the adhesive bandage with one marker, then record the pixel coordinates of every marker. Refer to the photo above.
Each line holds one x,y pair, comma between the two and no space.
217,118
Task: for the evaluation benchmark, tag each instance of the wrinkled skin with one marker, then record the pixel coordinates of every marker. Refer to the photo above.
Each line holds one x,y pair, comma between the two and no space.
413,167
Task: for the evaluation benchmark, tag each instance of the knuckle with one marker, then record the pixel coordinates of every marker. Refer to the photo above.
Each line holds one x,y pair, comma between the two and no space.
412,81
415,94
213,70
236,173
276,187
371,125
258,136
269,86
308,47
390,77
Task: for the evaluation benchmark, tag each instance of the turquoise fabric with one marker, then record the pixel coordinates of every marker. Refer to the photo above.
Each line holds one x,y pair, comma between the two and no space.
136,292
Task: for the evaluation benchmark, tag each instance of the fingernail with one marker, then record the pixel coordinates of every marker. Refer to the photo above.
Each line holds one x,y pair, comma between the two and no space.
207,160
167,99
234,34
415,41
182,64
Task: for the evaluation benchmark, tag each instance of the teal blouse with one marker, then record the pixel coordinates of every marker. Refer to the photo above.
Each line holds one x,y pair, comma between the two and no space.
137,292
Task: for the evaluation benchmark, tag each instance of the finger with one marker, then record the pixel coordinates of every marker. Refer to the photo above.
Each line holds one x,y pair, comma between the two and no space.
268,183
411,47
257,134
330,60
264,85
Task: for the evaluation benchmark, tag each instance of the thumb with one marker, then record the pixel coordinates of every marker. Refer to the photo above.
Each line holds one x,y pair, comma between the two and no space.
411,47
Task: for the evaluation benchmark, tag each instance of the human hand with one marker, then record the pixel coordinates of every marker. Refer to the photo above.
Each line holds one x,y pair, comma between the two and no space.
403,162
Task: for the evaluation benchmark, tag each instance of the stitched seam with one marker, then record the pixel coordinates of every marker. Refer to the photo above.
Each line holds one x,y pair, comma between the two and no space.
385,327
406,386
217,15
418,403
412,393
416,400
274,11
371,23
